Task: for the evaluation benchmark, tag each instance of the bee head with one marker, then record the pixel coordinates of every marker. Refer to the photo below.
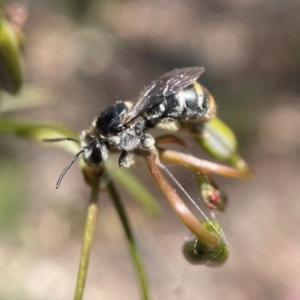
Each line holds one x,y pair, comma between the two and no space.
95,151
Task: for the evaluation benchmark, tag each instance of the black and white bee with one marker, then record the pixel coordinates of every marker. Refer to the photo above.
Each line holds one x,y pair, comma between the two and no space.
168,103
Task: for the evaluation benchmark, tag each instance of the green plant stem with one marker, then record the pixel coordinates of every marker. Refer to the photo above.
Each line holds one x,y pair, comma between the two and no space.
140,270
87,239
196,164
211,240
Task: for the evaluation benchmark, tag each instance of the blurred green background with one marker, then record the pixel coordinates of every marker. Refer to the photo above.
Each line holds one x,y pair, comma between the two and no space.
80,57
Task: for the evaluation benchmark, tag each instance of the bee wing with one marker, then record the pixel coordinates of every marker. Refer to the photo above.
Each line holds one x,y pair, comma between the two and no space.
161,89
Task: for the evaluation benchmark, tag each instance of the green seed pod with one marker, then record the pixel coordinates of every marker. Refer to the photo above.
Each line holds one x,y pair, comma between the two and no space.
212,196
217,139
11,75
197,252
220,254
191,255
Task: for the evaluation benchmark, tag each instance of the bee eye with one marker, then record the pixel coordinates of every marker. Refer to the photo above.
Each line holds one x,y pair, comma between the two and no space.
96,157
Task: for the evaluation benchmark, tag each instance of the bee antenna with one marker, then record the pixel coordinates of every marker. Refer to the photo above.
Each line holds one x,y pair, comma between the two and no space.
60,140
65,170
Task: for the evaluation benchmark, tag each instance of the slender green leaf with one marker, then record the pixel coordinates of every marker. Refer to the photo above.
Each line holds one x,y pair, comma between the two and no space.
38,131
11,74
136,258
29,96
87,239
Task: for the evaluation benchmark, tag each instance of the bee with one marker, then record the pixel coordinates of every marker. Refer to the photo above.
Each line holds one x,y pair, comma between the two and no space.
169,103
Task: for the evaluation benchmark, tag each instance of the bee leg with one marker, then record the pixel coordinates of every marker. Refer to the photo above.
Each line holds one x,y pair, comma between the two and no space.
125,159
148,143
168,124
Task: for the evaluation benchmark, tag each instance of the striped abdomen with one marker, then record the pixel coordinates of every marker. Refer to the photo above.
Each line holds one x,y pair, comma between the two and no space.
191,103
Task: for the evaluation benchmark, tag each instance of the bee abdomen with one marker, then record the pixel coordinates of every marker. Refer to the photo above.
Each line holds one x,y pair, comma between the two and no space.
196,102
191,103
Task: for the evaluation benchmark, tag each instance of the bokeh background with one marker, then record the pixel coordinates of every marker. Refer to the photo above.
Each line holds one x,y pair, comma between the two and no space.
81,56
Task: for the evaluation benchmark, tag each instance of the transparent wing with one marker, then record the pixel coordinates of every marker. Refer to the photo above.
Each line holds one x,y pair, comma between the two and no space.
161,89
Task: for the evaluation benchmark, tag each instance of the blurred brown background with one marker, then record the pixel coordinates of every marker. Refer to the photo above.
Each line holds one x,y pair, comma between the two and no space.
80,57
